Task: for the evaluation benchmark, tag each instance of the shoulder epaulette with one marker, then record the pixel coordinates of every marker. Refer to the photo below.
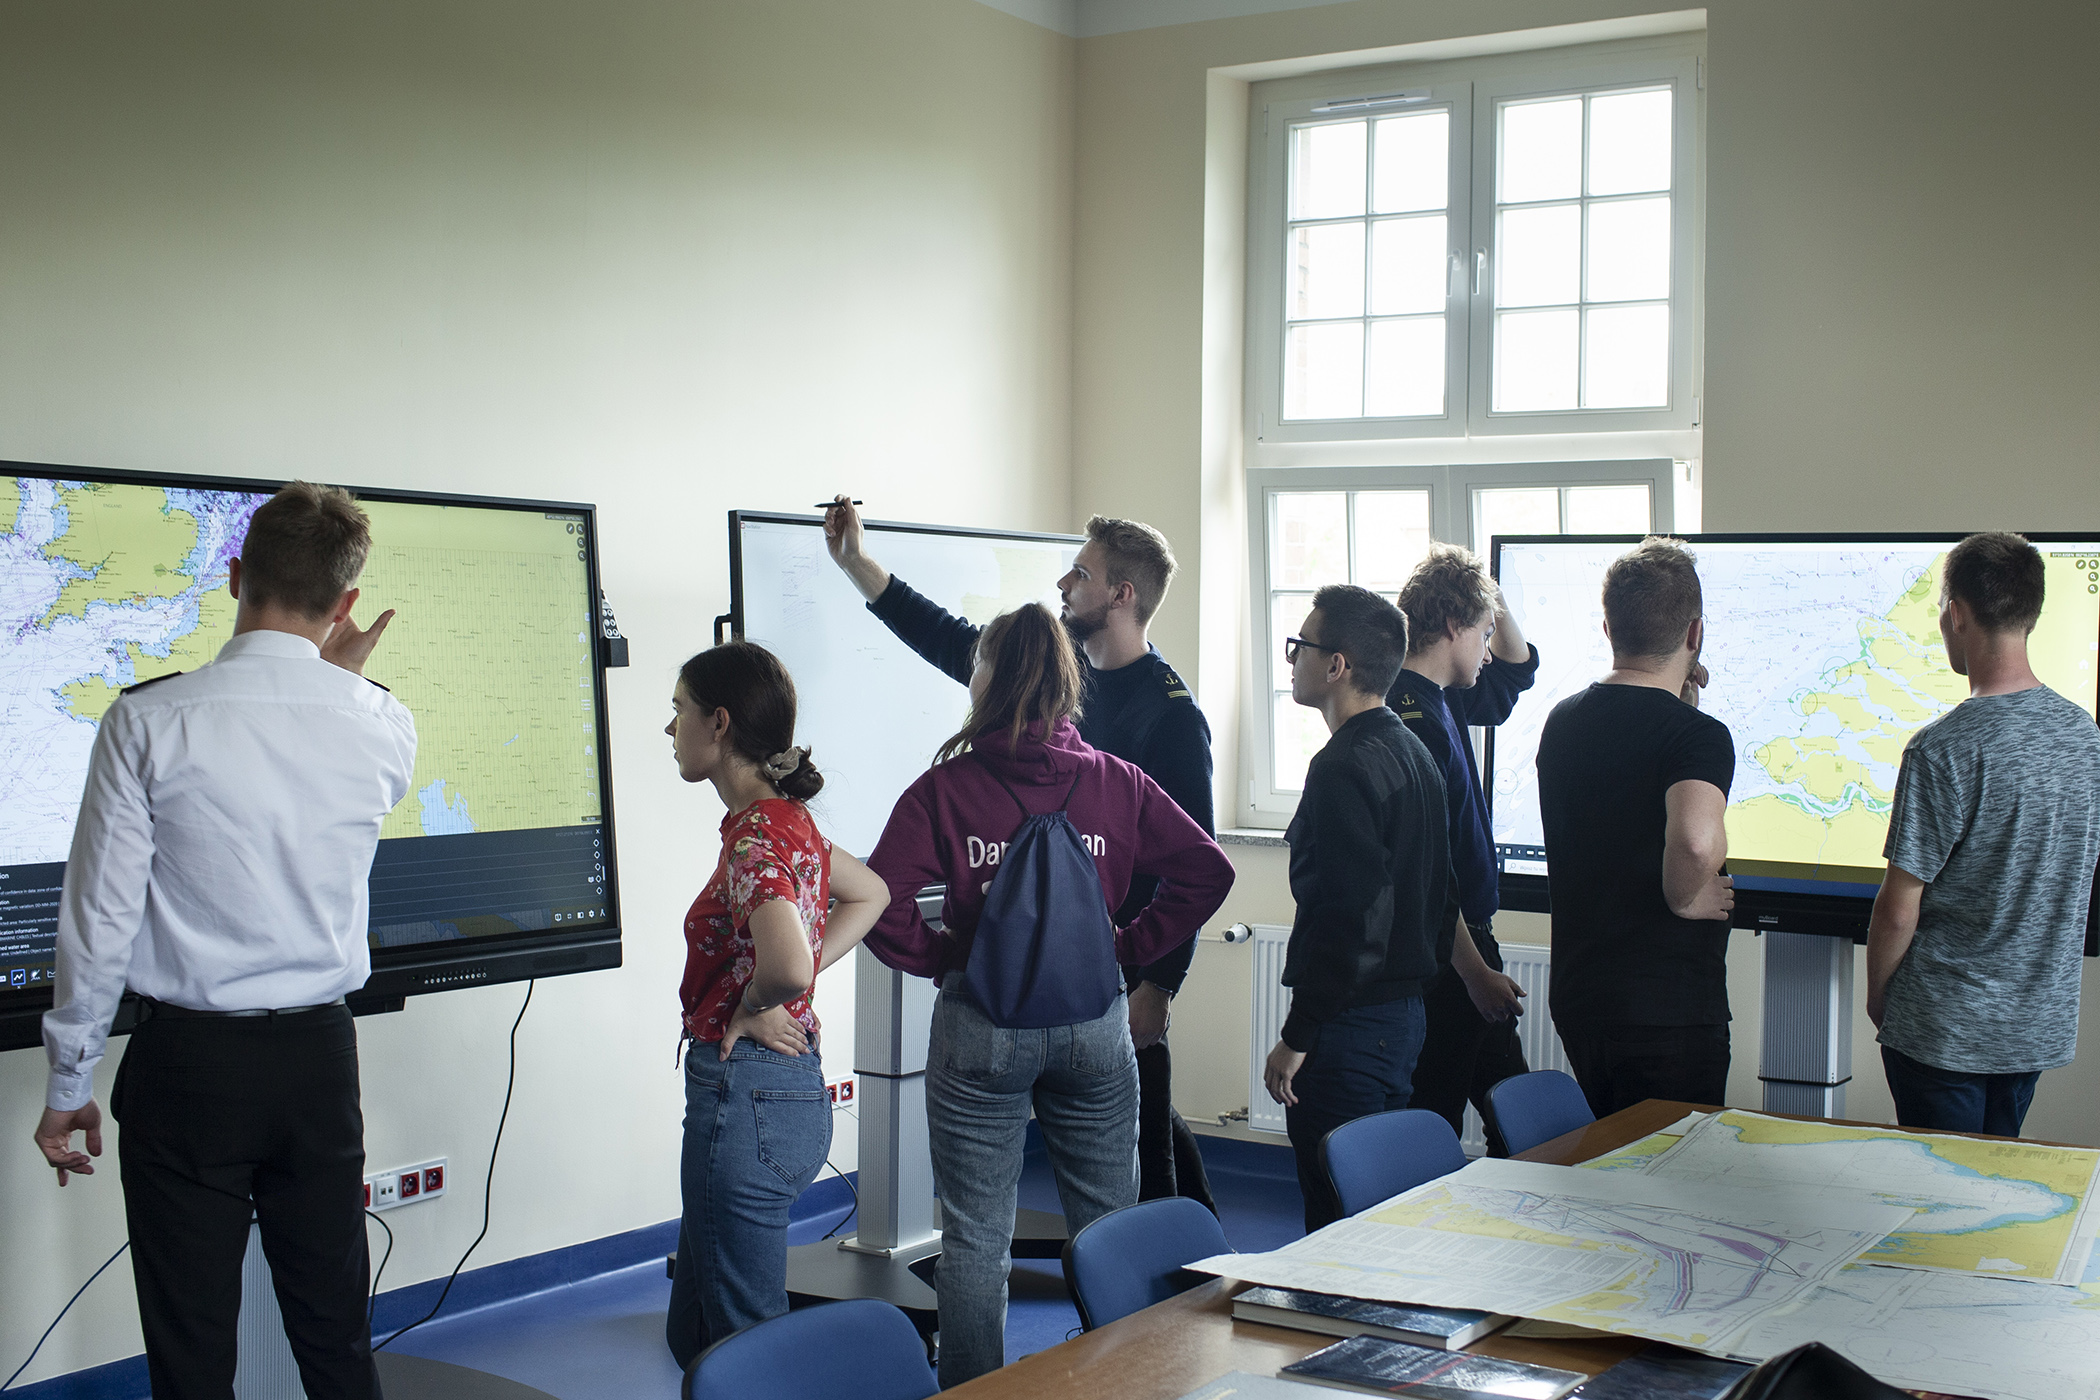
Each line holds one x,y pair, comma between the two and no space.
1176,687
156,680
369,681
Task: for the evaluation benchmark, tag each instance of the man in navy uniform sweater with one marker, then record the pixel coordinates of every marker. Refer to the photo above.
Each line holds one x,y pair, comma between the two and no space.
1137,709
1467,663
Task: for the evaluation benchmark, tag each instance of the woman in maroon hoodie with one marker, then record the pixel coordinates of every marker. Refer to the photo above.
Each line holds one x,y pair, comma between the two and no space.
952,826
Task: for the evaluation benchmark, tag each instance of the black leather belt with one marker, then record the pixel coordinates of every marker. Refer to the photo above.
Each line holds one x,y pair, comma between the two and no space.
149,1009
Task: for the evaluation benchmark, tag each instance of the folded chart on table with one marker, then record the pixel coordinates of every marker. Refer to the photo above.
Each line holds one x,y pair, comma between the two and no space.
1680,1262
2011,1209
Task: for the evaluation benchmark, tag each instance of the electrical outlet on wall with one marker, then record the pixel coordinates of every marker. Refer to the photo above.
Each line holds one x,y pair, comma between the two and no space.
397,1186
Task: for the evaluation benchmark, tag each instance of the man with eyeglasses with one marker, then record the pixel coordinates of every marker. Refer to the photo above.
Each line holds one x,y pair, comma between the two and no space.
1371,873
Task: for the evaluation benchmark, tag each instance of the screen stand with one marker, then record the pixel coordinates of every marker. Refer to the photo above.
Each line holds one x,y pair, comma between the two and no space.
1806,1061
891,1254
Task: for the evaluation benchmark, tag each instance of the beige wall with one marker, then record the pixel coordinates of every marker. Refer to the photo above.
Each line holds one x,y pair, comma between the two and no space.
668,257
1900,303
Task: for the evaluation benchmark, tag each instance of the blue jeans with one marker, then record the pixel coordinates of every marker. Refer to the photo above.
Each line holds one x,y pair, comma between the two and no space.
757,1126
1362,1063
981,1080
1955,1101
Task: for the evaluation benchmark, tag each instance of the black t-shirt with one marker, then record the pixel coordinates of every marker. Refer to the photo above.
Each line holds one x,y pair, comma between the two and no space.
1620,957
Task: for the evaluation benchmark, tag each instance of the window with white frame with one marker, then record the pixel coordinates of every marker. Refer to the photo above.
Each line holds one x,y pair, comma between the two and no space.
1503,248
1371,526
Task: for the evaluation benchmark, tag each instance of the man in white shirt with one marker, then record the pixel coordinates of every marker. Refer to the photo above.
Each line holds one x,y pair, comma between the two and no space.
219,871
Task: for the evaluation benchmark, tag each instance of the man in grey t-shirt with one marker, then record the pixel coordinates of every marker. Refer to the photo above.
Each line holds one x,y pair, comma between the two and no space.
1973,953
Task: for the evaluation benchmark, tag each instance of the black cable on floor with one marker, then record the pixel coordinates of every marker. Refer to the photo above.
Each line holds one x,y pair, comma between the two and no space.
61,1317
488,1187
849,1214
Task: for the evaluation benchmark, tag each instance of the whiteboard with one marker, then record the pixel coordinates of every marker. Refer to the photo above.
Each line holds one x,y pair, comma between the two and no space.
871,711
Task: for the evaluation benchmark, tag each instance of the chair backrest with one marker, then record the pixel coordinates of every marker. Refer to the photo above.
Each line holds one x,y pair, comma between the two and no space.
1537,1107
1384,1154
1131,1258
861,1349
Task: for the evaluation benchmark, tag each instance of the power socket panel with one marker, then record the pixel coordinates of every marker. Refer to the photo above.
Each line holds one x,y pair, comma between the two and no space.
404,1186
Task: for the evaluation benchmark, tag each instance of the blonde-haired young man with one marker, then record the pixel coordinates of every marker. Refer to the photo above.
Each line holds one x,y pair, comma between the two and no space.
1467,664
1138,709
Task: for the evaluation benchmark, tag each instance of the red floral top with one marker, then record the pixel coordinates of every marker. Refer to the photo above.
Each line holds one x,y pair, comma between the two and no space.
770,850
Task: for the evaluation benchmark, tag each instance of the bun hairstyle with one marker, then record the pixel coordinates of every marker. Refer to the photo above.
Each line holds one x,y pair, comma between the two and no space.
749,682
1034,678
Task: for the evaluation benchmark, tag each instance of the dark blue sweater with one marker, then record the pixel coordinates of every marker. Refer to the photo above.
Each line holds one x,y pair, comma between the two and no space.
1141,713
1439,718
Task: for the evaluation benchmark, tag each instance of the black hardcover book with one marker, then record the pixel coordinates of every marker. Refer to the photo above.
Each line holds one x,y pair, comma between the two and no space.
1397,1368
1664,1373
1447,1329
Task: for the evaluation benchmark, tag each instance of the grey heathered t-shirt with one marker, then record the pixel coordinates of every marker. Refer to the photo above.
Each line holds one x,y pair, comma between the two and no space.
1998,810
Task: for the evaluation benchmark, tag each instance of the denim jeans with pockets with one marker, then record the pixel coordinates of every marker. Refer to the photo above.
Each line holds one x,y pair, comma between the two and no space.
981,1081
757,1126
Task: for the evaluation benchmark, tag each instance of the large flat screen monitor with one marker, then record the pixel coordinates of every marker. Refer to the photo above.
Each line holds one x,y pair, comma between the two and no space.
1825,657
497,866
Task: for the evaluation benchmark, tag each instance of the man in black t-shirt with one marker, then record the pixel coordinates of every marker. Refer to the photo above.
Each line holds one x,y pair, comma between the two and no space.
1633,785
1136,709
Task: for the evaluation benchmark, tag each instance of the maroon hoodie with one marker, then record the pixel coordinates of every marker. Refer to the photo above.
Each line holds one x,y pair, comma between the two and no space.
951,826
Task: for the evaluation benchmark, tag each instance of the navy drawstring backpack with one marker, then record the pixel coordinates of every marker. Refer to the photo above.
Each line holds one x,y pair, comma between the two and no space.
1045,950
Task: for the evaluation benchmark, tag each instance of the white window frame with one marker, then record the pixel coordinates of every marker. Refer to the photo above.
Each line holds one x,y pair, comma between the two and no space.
1451,489
1471,89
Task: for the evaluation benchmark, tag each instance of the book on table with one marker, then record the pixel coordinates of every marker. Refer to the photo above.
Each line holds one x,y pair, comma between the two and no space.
1445,1328
1423,1373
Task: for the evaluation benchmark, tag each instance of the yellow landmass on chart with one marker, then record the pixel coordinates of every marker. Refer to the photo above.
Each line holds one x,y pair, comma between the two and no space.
132,554
490,650
1633,1156
1436,1210
2042,1189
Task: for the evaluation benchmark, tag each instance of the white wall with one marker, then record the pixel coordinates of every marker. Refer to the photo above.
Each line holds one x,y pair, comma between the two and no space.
669,257
1900,298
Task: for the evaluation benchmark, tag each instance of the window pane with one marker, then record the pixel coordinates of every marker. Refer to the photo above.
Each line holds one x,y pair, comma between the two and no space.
1630,142
1286,615
1392,535
1538,256
1300,733
1406,373
1608,510
1629,250
1514,510
1411,162
1327,170
1535,362
1407,265
1310,546
1323,371
1327,271
1626,357
1541,151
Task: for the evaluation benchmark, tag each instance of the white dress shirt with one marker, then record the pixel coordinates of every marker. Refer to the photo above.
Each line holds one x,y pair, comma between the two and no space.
224,844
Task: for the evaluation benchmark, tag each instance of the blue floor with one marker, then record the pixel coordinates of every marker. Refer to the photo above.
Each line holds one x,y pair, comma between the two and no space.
602,1337
587,1324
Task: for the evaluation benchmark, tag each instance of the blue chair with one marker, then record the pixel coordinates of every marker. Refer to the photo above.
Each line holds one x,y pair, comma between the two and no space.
1131,1258
861,1349
1381,1155
1537,1107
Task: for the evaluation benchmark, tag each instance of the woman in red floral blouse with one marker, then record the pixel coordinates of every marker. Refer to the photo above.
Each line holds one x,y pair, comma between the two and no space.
757,1121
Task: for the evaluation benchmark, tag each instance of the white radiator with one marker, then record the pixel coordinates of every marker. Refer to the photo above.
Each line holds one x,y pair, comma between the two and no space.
1532,966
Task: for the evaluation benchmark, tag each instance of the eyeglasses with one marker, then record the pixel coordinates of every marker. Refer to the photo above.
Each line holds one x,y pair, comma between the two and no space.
1293,645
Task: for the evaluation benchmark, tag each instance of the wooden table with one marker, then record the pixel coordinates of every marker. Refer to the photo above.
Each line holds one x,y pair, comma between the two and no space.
1169,1349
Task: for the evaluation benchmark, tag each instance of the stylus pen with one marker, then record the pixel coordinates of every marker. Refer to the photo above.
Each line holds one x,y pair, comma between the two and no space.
827,505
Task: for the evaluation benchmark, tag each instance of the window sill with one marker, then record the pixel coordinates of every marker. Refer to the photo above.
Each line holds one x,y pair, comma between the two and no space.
1249,836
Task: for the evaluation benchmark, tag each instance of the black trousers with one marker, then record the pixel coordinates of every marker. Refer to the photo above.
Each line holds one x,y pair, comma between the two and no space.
1169,1163
1464,1054
231,1117
1619,1066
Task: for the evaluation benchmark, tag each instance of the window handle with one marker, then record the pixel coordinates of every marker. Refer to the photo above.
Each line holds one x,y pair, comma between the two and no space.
1480,270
